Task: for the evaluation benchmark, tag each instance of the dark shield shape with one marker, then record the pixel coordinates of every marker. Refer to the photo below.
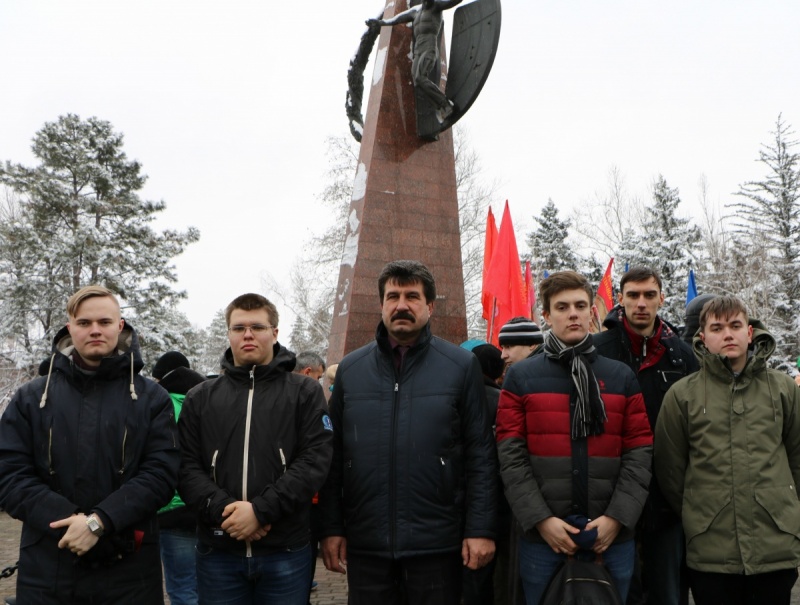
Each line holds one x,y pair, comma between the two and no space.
476,35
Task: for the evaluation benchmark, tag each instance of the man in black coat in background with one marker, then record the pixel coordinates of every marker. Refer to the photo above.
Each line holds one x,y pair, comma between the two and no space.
638,337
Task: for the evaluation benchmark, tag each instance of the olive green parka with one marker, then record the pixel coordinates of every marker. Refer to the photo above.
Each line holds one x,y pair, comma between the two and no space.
727,457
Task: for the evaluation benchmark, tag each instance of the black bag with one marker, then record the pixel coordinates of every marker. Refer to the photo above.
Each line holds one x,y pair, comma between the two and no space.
578,582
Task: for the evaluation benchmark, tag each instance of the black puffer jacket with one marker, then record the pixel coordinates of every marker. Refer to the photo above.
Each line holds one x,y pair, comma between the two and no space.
285,461
73,441
677,361
415,467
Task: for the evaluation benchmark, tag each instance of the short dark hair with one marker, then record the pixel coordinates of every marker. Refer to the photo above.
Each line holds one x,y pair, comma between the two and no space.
308,359
560,281
640,273
251,302
406,273
722,307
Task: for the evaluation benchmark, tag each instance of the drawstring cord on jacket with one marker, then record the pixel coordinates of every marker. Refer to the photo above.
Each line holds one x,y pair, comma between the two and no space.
43,400
134,396
47,384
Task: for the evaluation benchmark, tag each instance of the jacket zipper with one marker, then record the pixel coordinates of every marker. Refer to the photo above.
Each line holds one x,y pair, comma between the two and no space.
246,454
393,471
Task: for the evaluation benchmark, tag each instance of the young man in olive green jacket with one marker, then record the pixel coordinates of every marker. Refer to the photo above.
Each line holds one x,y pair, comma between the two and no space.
727,457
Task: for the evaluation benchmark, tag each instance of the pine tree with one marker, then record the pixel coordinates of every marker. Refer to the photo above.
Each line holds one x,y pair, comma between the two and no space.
548,243
76,219
668,244
767,222
208,345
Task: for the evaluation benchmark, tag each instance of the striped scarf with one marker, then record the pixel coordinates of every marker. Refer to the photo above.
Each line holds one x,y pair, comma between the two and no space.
589,413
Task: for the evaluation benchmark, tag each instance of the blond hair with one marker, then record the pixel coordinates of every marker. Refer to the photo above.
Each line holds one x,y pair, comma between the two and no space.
85,293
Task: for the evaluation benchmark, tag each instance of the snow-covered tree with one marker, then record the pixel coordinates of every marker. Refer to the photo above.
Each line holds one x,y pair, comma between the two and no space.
550,249
208,345
76,219
767,223
475,194
668,243
604,225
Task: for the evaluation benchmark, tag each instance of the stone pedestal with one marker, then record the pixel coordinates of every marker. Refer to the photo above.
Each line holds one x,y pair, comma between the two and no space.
404,205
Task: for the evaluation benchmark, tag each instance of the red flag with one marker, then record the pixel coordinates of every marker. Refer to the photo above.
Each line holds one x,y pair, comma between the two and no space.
504,279
530,292
491,238
605,293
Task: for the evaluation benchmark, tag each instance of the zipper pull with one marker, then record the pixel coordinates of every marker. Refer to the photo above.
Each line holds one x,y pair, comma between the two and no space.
396,387
442,461
283,459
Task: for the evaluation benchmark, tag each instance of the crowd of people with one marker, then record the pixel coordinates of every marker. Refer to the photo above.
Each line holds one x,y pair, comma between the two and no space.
429,473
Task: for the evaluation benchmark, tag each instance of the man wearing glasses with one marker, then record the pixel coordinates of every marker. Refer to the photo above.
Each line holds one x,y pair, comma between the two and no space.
256,446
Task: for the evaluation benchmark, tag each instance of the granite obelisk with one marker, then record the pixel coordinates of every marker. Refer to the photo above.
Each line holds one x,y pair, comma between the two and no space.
404,204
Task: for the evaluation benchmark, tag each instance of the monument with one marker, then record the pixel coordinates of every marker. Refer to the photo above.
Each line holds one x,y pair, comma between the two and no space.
404,202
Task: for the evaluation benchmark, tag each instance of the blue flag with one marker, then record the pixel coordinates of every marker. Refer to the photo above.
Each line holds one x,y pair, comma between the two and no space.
691,290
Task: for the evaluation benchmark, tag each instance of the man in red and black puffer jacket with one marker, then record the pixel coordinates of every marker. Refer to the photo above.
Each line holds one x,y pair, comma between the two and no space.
575,446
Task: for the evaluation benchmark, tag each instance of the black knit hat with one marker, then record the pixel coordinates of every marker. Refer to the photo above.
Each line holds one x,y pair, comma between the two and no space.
520,331
491,360
168,362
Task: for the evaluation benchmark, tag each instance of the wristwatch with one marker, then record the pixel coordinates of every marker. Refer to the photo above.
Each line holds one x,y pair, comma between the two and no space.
94,525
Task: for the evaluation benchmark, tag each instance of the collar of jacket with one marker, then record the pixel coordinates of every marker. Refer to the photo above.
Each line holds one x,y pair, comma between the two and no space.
614,321
382,338
283,361
110,367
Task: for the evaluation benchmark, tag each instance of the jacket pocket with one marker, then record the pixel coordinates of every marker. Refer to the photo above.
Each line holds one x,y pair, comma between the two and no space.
666,378
701,508
780,506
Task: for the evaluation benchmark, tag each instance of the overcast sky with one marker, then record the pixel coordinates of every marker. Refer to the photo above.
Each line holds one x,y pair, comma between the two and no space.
227,105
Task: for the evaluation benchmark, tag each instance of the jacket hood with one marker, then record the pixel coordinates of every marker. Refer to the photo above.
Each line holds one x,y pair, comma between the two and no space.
762,347
283,360
127,358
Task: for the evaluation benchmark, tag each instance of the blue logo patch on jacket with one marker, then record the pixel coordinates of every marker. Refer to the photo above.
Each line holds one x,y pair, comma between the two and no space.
326,423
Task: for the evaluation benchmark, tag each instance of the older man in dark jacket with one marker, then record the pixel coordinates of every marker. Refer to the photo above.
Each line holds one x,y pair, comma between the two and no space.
410,498
88,453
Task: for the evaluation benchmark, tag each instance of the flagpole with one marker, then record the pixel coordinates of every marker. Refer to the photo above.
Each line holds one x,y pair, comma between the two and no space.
490,333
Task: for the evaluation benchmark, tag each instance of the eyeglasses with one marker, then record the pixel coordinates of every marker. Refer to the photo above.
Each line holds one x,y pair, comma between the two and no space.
254,329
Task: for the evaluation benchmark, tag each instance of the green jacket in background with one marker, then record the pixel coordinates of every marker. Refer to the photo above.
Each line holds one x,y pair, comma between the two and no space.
176,502
727,457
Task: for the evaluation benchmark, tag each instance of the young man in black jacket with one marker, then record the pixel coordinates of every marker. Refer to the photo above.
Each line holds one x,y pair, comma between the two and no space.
638,337
410,498
256,447
88,454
